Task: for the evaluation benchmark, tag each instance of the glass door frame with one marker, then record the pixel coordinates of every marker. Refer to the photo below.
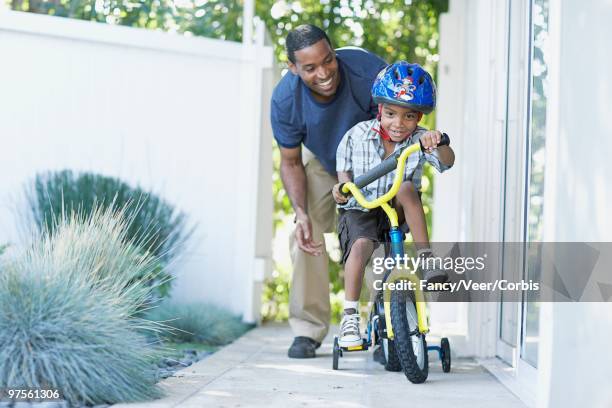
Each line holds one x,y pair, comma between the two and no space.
516,178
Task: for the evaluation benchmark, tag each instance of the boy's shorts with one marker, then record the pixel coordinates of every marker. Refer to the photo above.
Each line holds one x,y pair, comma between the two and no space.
353,224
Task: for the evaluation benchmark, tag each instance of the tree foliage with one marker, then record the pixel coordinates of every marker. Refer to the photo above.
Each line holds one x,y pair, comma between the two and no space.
208,18
393,29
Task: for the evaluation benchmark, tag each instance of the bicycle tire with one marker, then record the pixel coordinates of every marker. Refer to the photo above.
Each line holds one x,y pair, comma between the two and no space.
392,362
446,355
411,350
335,354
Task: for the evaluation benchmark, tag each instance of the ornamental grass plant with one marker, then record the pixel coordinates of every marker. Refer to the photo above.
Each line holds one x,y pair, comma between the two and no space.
197,323
152,222
70,312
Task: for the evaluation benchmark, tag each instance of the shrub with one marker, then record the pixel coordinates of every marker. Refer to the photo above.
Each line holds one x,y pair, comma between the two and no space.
198,322
154,224
275,295
69,313
276,289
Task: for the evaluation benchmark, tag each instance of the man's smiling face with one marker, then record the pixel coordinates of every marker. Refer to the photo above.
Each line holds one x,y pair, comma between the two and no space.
317,66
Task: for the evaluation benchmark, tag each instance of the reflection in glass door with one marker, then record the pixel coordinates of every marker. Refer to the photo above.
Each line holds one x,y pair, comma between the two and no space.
517,95
535,176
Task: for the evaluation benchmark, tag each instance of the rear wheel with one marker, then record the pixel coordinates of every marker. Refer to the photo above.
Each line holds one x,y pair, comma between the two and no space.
336,353
446,355
392,362
410,345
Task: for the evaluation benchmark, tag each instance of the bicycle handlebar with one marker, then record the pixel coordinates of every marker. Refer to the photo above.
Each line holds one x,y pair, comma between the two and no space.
387,166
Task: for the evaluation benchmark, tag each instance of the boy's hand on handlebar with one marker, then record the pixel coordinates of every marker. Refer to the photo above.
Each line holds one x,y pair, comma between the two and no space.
430,140
338,196
303,236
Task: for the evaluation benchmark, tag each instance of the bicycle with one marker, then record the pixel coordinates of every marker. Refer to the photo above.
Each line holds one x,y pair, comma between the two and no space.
398,319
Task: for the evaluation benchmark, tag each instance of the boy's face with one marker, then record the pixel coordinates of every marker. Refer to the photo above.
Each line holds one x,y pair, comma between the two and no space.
317,66
398,121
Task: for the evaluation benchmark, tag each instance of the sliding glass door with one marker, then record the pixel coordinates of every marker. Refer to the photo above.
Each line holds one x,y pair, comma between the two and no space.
535,176
524,175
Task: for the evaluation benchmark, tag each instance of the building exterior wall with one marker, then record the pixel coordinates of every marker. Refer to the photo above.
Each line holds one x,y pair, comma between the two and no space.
484,104
471,106
181,116
576,368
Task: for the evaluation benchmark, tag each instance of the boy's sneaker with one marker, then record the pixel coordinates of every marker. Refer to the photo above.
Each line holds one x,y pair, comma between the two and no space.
435,275
430,272
350,335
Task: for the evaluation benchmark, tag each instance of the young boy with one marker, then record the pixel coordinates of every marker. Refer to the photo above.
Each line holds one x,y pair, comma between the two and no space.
404,92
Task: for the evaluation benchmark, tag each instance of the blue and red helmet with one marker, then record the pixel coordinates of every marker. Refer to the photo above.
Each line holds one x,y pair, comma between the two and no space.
406,85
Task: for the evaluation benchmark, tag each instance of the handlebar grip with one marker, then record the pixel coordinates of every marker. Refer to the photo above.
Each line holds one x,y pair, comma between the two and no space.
387,166
342,192
444,141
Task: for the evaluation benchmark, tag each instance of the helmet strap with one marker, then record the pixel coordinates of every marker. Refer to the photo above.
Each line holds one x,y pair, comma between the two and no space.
381,132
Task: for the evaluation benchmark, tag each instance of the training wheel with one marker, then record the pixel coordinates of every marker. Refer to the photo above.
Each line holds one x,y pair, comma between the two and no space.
336,353
446,354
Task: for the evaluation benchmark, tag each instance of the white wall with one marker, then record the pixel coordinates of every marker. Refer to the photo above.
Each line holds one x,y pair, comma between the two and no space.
575,364
181,116
471,80
471,109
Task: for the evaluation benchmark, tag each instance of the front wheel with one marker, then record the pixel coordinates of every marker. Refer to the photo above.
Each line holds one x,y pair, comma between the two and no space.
410,345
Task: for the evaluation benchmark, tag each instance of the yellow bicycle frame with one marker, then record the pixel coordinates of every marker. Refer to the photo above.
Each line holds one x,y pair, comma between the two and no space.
383,202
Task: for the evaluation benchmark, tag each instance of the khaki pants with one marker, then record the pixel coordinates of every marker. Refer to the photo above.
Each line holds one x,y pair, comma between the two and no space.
309,308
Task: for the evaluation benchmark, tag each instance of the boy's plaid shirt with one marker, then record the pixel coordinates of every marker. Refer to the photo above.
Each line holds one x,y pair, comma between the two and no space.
361,150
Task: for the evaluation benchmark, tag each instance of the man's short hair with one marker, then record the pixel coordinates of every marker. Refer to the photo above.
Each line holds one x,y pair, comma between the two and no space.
303,36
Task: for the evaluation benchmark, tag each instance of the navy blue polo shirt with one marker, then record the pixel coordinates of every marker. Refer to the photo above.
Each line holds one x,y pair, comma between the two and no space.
298,118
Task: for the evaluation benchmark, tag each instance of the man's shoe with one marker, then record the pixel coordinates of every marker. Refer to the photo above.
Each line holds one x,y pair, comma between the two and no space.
379,355
303,347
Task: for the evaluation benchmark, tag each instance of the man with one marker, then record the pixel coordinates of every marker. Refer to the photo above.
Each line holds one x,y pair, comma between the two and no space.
325,93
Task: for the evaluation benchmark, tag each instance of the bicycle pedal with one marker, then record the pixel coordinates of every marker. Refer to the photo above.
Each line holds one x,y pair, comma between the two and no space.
364,346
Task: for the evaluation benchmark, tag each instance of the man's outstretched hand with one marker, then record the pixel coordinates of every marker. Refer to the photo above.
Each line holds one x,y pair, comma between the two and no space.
303,236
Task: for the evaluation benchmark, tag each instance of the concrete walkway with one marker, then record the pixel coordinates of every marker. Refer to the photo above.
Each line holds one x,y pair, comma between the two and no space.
255,372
